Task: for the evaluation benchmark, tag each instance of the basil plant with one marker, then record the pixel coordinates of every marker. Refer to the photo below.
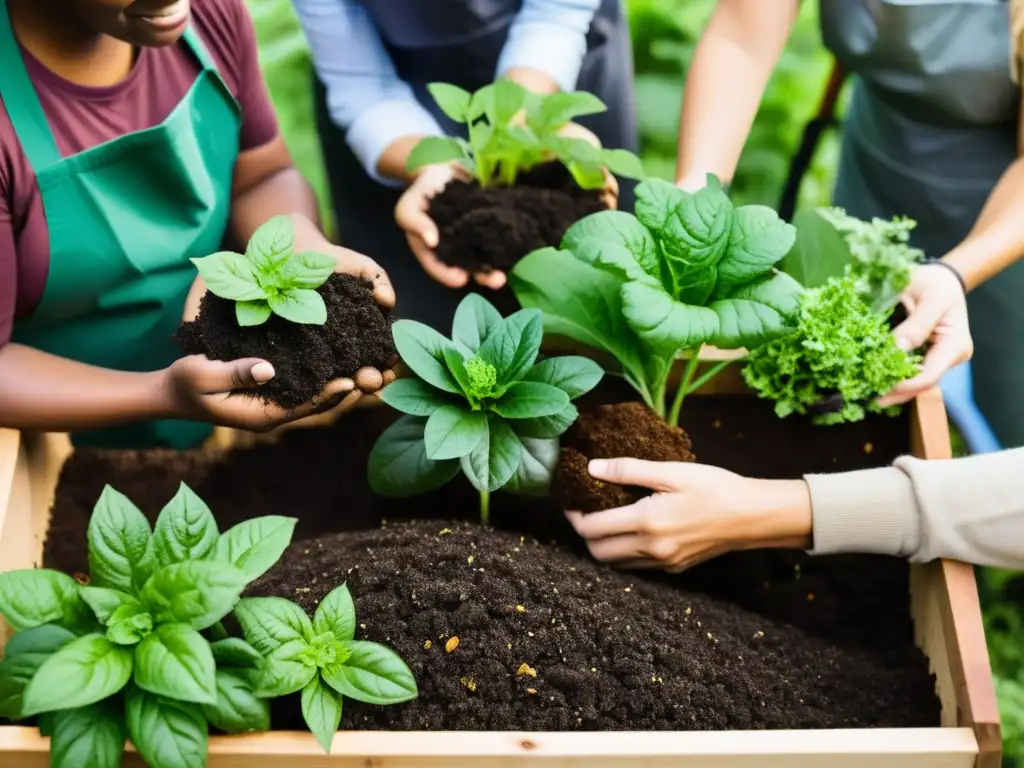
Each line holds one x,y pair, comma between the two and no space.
480,403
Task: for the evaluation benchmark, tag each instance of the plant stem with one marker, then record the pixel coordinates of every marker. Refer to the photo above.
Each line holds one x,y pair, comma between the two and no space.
217,631
681,391
485,507
709,374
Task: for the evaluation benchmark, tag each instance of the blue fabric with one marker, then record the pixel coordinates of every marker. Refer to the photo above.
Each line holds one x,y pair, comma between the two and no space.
958,393
366,97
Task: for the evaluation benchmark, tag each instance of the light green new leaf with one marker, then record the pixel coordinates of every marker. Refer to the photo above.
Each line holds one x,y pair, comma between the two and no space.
432,150
308,269
286,670
299,305
105,602
185,529
422,349
452,432
398,465
495,460
271,245
82,672
508,98
321,709
254,546
451,100
554,110
623,163
176,661
819,252
372,674
198,593
167,733
120,543
230,276
88,737
238,709
336,614
251,313
270,622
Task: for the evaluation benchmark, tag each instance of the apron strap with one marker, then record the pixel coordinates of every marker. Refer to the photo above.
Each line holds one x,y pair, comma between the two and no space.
198,48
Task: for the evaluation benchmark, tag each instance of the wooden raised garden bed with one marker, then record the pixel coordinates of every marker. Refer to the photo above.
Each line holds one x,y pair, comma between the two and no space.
943,602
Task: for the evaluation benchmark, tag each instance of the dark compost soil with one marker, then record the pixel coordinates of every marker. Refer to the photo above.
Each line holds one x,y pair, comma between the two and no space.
843,618
305,357
483,229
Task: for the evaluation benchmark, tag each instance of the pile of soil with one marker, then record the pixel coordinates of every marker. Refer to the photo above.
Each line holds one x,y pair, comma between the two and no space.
305,357
483,229
503,633
608,432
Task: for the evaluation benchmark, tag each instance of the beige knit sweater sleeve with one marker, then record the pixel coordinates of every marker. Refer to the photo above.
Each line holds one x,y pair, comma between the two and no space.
969,509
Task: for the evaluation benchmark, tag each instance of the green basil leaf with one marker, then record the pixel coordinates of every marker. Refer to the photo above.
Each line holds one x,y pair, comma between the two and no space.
336,614
372,674
758,240
554,110
176,661
572,374
299,305
451,100
507,99
82,672
413,397
422,349
512,348
539,459
758,312
251,313
286,670
24,653
623,163
321,709
452,432
495,460
530,400
546,427
615,241
88,737
167,733
475,320
271,245
33,596
185,529
820,250
665,323
230,276
235,652
238,710
398,464
253,546
270,622
129,624
433,150
198,593
120,543
308,269
105,601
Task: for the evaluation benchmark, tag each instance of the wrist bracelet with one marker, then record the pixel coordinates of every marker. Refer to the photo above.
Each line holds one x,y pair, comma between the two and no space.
954,270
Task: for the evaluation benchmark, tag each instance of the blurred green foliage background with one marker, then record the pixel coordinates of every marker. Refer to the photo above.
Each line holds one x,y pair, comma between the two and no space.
664,35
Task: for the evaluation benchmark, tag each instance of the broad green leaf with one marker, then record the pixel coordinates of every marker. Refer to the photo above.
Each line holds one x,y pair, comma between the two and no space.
433,150
235,652
167,733
129,624
230,276
253,546
336,614
185,529
422,349
457,367
372,674
509,97
104,602
820,250
547,426
250,313
656,202
475,320
120,543
414,397
696,235
286,670
398,464
271,245
554,110
623,163
33,596
176,661
88,737
531,400
590,238
308,269
451,100
757,313
270,622
587,175
512,348
758,240
82,672
664,322
573,374
237,710
481,103
321,709
452,432
539,458
198,593
495,460
23,655
299,305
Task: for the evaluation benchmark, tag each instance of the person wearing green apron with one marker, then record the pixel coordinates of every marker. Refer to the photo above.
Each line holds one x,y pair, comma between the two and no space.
134,135
930,133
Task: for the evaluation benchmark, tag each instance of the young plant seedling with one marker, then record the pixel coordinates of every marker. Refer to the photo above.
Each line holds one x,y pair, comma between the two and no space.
270,278
126,655
684,271
479,402
512,130
322,659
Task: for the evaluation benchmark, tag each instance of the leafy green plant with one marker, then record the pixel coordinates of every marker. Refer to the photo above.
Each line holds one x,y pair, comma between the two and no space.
270,278
321,658
684,271
512,130
479,402
127,654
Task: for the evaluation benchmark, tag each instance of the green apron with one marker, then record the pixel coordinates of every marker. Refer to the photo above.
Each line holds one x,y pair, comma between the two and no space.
124,218
931,127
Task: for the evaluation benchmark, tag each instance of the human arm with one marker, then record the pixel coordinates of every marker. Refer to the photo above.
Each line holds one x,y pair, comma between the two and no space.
725,84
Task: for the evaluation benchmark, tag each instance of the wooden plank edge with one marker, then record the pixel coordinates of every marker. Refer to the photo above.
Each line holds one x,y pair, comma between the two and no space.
10,445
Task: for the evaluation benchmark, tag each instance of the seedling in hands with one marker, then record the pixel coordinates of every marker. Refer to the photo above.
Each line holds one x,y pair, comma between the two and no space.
321,658
512,130
270,278
126,654
480,403
684,271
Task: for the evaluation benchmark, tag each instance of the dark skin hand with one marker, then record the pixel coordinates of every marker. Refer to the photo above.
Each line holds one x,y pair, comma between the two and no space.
93,43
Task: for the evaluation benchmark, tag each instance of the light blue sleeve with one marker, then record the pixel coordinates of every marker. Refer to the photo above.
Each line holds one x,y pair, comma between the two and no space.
551,36
365,96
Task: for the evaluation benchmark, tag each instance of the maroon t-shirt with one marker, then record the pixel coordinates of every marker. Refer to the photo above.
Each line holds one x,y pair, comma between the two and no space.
82,117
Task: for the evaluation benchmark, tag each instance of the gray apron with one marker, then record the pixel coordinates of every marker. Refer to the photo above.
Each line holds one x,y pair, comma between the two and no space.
931,127
415,34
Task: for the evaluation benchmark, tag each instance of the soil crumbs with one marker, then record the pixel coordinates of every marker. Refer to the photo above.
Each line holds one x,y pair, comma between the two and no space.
305,357
483,229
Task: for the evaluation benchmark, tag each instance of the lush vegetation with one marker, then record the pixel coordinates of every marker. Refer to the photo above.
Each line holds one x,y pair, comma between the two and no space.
664,34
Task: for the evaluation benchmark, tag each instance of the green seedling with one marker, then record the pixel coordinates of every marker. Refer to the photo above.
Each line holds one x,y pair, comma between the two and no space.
512,130
480,403
270,278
